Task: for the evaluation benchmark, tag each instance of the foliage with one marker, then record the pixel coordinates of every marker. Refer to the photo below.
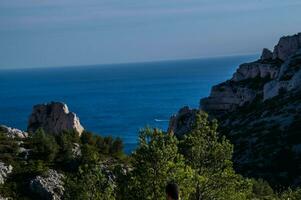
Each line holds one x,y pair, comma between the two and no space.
89,183
43,146
105,145
8,149
157,162
291,194
200,163
210,156
261,190
57,152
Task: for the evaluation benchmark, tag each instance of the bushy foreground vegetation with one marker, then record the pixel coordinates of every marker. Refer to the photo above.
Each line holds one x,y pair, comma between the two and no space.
200,163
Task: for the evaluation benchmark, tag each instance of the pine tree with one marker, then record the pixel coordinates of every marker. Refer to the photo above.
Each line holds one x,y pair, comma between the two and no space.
157,162
210,156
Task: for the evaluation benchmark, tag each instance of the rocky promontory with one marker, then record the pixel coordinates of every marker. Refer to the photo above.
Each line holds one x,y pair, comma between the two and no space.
57,158
259,110
260,80
53,118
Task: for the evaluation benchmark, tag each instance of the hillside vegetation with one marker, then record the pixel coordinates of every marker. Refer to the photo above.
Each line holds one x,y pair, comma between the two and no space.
200,163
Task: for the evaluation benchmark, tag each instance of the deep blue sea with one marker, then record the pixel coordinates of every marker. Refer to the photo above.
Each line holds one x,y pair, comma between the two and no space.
117,99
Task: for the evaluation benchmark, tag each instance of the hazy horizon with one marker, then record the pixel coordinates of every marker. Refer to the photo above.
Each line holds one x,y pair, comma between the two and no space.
96,32
137,62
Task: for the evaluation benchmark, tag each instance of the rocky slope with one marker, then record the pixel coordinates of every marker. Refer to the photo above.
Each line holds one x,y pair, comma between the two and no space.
264,78
13,132
38,164
259,110
50,186
53,118
5,170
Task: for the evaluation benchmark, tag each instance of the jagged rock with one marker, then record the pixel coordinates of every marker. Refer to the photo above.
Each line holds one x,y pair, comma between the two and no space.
226,97
266,54
246,84
23,152
264,79
48,187
53,118
288,79
13,132
255,69
182,122
76,151
108,167
5,170
287,46
259,110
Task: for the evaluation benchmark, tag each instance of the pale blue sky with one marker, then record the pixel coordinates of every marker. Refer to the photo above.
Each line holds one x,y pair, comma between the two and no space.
40,33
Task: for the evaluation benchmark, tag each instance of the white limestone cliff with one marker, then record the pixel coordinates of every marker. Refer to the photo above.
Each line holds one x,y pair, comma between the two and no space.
54,118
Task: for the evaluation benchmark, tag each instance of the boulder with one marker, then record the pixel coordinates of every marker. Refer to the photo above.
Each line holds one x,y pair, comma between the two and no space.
49,187
5,170
54,118
13,132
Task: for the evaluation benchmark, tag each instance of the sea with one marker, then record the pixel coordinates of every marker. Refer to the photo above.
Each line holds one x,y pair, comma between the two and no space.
115,99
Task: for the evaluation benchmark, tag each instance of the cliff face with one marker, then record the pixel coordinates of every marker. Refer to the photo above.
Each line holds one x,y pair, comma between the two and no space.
265,78
287,46
259,110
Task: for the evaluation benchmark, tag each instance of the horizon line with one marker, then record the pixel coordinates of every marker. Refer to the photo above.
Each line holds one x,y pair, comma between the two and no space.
131,62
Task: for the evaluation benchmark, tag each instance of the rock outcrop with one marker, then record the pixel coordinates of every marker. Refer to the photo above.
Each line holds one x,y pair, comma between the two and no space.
13,132
287,46
53,118
262,79
76,150
259,111
266,54
5,170
49,187
288,79
182,122
226,97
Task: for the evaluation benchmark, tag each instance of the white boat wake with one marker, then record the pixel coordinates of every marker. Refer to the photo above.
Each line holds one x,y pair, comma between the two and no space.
161,120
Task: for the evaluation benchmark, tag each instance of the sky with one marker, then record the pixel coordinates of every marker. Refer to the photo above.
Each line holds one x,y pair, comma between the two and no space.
48,33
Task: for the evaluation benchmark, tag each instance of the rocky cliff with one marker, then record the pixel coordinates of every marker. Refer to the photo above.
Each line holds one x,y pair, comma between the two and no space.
15,147
259,110
55,163
263,79
54,118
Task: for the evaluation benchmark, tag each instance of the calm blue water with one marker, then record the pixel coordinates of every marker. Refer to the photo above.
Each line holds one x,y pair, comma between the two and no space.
114,100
